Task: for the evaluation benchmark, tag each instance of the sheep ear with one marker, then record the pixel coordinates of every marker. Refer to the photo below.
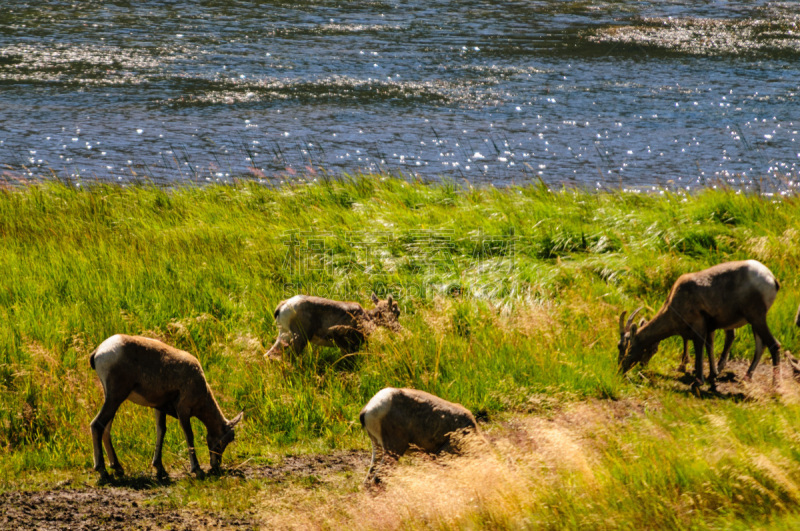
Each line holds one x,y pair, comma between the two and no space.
389,300
374,298
236,419
634,328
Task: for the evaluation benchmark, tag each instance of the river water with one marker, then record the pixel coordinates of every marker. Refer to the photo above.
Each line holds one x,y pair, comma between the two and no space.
598,94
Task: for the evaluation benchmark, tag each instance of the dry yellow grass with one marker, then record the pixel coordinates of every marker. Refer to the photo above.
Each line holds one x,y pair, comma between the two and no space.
500,482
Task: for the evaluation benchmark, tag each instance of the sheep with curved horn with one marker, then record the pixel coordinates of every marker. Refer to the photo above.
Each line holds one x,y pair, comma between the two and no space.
725,296
624,333
150,373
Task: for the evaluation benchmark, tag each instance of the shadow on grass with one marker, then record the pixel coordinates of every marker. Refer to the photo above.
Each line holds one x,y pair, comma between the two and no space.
147,482
683,384
137,482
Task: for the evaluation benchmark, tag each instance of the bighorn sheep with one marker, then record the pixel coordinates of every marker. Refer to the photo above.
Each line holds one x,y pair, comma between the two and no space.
397,418
647,356
329,323
149,373
725,296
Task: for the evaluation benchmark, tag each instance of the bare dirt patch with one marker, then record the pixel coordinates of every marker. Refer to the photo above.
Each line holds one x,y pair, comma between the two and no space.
130,503
101,508
305,466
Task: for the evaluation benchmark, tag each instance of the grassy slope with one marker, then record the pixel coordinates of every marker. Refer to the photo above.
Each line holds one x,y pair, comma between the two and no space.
542,278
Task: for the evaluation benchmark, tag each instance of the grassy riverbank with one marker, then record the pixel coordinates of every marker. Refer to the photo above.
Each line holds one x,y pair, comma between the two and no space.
510,300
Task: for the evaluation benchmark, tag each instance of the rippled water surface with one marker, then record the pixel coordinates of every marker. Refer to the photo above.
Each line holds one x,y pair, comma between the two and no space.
679,93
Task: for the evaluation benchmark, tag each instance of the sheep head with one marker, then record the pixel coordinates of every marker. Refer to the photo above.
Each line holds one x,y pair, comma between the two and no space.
217,445
631,351
386,313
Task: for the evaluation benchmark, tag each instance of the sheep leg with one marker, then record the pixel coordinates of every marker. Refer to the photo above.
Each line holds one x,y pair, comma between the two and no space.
726,350
699,347
276,351
756,358
347,338
161,430
112,455
712,367
98,426
298,343
762,333
371,468
684,356
186,425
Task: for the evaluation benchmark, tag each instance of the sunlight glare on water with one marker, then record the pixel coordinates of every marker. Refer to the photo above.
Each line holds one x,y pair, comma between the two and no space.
629,94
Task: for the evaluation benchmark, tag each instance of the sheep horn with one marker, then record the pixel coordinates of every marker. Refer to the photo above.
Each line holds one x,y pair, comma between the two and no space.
632,317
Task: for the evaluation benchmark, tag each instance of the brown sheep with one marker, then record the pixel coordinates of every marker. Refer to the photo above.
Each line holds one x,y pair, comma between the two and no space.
149,373
329,323
725,296
395,419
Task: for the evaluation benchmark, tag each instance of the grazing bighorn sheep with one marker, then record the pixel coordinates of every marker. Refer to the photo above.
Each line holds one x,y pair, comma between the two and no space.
725,296
329,323
622,345
149,373
397,418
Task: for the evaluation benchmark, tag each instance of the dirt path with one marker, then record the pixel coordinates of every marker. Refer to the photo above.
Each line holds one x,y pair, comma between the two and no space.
105,508
126,504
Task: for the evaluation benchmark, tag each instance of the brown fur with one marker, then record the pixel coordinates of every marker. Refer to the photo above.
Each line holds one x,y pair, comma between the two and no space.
170,381
725,296
414,418
330,323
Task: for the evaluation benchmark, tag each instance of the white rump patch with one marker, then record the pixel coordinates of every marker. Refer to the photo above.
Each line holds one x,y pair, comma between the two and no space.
763,281
376,409
108,354
287,313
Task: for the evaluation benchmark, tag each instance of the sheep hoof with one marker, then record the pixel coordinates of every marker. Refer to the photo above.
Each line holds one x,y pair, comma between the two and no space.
118,470
199,474
373,482
104,478
696,385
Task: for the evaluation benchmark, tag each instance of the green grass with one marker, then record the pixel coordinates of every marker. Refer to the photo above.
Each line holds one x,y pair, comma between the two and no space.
509,297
